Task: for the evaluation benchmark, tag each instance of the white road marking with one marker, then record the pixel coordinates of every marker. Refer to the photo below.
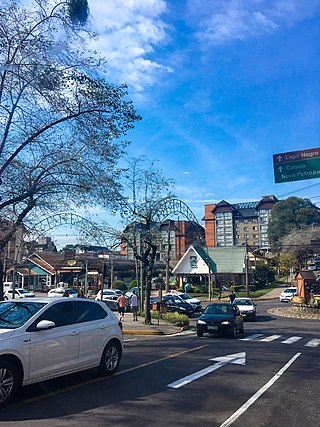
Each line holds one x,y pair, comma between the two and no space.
271,338
291,340
251,337
313,343
259,393
238,359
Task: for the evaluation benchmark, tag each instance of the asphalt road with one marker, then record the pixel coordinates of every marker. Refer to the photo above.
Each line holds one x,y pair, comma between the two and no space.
271,378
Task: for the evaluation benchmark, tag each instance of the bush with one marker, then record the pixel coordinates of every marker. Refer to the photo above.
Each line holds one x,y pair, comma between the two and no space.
199,290
133,284
119,284
176,319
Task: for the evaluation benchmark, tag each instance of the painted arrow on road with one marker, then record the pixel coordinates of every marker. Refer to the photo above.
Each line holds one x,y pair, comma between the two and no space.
237,359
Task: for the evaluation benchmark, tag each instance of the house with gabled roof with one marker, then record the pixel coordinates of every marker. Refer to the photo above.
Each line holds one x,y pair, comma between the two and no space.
222,265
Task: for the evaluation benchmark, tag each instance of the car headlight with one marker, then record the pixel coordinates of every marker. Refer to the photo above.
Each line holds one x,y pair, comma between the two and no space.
182,308
201,322
226,322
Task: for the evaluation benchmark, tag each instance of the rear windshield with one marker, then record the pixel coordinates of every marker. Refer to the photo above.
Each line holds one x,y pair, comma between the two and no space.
15,314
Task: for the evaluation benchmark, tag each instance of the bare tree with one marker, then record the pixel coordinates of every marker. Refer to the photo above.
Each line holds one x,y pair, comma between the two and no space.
60,121
149,191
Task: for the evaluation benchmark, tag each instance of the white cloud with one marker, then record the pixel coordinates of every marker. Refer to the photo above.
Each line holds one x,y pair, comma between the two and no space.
228,20
129,31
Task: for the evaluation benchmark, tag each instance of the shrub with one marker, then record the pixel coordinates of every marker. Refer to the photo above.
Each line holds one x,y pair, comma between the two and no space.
133,284
119,284
176,318
198,290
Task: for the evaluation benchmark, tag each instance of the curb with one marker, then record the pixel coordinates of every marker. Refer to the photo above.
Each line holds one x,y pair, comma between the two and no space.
146,332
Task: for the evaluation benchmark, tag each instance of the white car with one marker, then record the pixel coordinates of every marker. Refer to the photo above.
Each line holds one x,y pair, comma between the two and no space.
195,302
18,293
246,307
109,294
44,338
287,294
58,293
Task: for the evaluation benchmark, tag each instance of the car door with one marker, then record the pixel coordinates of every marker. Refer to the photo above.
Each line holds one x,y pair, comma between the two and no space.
93,322
54,351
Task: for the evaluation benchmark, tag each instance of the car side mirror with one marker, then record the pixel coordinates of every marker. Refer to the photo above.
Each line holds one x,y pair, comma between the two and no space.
45,324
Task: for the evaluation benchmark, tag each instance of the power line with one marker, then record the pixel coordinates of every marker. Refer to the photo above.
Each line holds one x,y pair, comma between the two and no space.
299,189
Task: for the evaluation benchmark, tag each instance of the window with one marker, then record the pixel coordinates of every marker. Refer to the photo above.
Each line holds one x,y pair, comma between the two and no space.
245,228
62,314
89,311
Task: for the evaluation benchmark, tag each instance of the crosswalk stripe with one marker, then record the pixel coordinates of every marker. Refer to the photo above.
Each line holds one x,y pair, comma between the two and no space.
251,337
291,340
313,343
271,338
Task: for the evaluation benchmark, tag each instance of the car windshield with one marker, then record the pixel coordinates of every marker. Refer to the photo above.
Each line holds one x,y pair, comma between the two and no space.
219,309
243,302
185,296
22,291
14,314
71,291
289,291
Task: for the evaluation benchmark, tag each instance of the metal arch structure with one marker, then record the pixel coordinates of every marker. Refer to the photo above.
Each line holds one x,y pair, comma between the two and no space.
93,230
174,207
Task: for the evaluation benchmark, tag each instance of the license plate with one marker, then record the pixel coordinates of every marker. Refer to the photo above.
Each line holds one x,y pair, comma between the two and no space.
212,328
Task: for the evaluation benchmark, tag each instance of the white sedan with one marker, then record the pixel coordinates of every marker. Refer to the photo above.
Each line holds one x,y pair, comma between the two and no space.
109,294
58,292
247,308
42,338
18,293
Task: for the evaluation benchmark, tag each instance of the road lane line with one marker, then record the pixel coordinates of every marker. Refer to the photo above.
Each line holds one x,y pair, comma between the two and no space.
271,338
259,393
251,337
291,340
96,380
313,343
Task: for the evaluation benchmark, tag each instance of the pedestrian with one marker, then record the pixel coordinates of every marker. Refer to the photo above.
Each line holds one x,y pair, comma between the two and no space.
134,305
66,293
232,296
81,294
122,303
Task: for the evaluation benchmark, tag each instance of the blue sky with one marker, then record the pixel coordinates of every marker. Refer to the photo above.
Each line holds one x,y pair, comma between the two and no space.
221,85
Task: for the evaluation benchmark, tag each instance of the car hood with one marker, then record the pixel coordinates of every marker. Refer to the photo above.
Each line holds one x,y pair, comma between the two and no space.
216,317
194,301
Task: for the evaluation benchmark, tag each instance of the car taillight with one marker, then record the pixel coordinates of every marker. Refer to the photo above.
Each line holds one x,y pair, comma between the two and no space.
120,324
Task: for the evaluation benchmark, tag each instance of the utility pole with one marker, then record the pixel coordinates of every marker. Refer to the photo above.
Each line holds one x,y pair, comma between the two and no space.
168,257
247,270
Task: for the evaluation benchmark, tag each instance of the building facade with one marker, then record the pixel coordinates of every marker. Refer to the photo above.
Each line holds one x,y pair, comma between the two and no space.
239,224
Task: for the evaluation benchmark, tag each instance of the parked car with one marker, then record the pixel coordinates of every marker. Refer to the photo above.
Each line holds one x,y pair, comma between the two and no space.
58,293
45,338
112,304
220,318
173,303
18,293
195,302
247,308
287,294
109,294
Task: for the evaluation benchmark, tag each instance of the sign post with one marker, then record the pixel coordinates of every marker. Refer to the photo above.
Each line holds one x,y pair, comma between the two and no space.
296,165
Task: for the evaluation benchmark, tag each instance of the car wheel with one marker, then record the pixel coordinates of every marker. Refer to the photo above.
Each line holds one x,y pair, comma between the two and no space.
9,382
199,334
110,358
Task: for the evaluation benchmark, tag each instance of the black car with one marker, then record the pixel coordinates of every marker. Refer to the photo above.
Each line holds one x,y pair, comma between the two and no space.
174,303
220,318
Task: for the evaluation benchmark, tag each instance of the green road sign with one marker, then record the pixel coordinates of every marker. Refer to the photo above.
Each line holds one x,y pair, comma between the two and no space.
297,171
